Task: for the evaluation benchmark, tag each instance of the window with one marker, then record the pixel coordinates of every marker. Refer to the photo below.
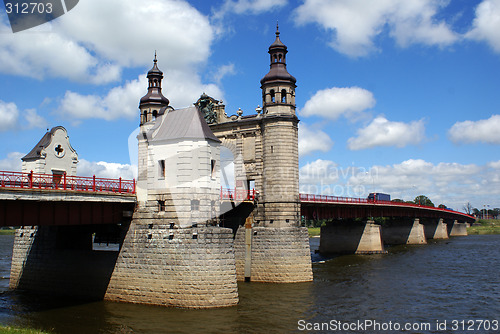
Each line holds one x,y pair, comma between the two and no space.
273,97
213,164
283,96
155,113
195,205
161,206
161,169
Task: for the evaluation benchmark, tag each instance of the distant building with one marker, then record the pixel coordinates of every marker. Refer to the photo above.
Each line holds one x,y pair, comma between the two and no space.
52,155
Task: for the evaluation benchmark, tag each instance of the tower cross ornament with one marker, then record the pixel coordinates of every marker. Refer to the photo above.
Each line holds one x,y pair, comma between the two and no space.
59,150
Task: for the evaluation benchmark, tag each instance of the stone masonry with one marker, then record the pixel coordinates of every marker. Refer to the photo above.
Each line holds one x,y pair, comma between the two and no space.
165,265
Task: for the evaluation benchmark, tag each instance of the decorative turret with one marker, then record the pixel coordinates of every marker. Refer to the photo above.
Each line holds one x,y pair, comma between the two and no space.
278,86
152,103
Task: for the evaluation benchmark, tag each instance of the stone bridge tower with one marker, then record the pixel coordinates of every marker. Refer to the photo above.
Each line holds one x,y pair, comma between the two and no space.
280,186
267,143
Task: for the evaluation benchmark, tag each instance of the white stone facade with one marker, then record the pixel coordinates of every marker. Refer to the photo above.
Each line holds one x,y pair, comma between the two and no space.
52,155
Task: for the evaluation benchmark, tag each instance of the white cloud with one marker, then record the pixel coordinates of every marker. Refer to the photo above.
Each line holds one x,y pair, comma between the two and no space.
121,101
12,162
33,120
249,6
311,140
333,102
106,169
485,130
8,115
223,71
382,132
354,24
486,24
452,184
96,39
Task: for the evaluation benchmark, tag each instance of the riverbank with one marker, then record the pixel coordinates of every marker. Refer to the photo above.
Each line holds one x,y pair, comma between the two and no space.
314,231
485,226
17,330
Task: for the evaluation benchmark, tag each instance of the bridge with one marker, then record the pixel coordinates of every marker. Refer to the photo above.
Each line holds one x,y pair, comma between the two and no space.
333,207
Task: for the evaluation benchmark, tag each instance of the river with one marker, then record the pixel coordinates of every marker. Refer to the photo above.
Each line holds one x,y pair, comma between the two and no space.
447,286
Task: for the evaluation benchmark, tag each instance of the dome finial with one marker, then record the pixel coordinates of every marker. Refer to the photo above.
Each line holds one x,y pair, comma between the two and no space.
277,29
154,60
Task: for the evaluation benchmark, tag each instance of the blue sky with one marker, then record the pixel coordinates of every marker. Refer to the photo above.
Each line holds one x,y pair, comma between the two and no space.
393,96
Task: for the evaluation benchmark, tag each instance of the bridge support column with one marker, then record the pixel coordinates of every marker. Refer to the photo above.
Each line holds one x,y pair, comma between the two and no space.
457,229
59,261
279,254
183,267
349,237
404,232
435,229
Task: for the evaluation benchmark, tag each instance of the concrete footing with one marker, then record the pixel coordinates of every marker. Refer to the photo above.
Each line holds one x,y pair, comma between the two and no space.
182,267
435,229
351,237
404,232
278,255
457,229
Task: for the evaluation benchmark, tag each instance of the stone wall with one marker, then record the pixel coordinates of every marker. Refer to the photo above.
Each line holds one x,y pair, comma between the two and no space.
183,267
279,255
59,260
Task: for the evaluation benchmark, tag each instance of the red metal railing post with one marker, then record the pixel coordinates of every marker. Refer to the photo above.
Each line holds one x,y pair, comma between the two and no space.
93,183
120,185
134,185
64,180
30,178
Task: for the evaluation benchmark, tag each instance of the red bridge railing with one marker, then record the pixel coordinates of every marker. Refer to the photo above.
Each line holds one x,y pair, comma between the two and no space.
237,194
334,199
65,182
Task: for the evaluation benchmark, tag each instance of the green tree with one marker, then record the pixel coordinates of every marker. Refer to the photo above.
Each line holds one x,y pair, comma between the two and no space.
423,200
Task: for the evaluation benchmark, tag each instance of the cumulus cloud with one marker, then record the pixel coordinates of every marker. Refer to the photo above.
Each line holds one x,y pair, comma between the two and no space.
355,24
485,131
119,102
448,183
106,169
486,24
12,162
95,40
334,102
311,140
249,6
10,114
382,132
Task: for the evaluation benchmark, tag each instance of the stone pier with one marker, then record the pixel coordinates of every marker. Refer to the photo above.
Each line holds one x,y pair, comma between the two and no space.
435,229
350,237
409,232
457,229
278,255
162,264
60,261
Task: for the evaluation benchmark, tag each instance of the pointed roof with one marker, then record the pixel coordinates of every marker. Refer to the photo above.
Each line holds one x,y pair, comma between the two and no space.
187,123
277,42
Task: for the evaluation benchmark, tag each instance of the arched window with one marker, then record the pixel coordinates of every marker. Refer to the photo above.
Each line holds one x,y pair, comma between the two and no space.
273,97
155,113
283,96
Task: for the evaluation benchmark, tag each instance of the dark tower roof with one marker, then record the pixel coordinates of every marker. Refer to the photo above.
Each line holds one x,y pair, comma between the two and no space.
278,72
154,95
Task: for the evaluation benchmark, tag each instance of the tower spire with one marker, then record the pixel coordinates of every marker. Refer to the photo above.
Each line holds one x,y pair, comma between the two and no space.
278,86
153,101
